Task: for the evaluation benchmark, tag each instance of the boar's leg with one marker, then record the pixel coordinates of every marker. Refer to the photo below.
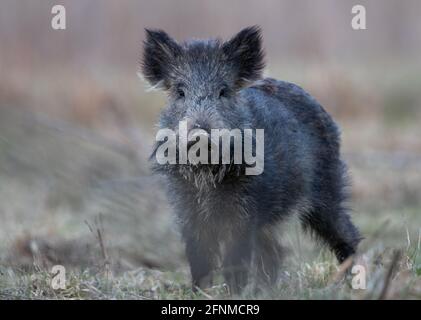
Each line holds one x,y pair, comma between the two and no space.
202,257
334,227
253,257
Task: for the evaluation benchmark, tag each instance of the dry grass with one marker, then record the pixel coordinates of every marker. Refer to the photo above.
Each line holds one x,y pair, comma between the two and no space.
390,275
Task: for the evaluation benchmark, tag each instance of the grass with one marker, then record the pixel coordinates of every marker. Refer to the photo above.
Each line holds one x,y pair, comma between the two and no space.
388,278
309,272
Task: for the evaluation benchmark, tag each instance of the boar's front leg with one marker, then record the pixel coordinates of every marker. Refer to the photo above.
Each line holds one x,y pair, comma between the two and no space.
202,257
237,262
253,258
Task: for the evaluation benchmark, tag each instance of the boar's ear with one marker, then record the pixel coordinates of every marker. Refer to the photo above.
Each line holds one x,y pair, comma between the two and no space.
160,51
245,53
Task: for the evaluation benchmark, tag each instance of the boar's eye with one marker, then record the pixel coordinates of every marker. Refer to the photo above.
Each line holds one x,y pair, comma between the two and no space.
223,93
180,93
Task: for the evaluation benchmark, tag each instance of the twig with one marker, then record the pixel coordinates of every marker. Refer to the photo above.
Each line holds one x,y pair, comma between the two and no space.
98,232
344,266
388,279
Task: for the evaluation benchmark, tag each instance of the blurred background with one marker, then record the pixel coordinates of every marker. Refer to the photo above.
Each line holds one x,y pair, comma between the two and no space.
76,125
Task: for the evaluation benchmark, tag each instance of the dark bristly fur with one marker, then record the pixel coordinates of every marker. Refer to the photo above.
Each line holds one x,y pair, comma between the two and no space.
228,218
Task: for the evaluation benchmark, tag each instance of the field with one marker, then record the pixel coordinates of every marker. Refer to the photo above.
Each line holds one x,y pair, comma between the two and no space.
76,190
